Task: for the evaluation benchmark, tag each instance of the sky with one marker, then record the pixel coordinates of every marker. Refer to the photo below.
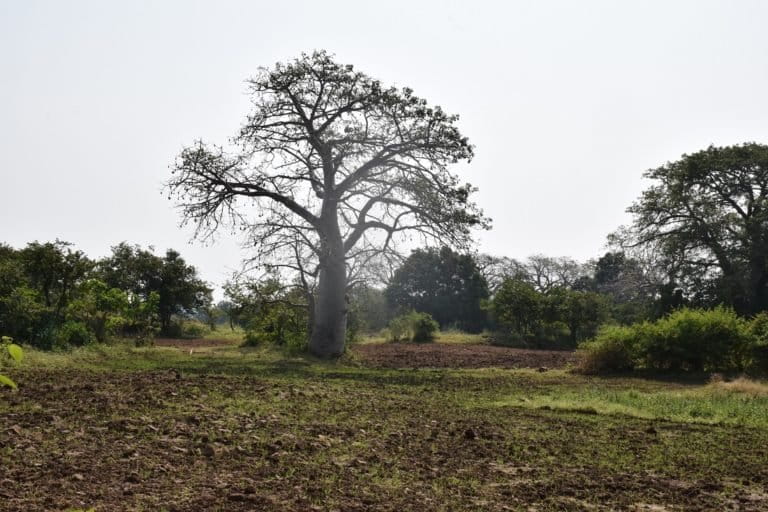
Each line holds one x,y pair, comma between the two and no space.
567,104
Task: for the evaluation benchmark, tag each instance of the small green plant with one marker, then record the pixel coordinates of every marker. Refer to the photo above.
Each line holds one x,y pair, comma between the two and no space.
9,350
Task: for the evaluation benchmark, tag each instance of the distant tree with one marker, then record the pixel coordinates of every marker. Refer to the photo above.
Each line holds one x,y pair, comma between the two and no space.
140,272
443,283
495,269
517,308
227,309
54,269
708,215
546,273
104,310
335,167
369,305
581,311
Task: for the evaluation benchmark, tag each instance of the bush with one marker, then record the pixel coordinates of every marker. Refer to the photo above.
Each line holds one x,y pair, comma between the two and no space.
193,329
413,326
74,334
697,340
687,340
423,327
252,339
612,350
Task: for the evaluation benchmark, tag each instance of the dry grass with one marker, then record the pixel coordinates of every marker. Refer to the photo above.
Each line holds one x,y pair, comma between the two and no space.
743,385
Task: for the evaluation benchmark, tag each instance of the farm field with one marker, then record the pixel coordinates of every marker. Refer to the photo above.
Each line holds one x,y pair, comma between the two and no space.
214,427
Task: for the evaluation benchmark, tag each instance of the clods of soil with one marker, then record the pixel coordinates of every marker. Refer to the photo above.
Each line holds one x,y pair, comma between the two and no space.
438,355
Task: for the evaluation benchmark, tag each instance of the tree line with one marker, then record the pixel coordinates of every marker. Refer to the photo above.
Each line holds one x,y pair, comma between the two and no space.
52,294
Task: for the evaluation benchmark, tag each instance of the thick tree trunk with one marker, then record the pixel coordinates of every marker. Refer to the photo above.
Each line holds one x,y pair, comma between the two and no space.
330,315
330,311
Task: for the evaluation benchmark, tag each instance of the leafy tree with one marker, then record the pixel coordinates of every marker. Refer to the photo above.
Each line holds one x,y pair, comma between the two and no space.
104,310
708,214
581,311
181,290
443,283
140,272
55,270
331,170
272,312
517,308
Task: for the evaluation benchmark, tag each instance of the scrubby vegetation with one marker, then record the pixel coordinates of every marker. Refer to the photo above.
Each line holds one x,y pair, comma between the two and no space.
685,340
413,326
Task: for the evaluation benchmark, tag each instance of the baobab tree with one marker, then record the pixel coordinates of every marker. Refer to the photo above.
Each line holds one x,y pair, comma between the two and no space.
330,172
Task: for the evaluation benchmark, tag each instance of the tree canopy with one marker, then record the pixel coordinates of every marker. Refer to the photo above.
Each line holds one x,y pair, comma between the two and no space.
443,283
708,215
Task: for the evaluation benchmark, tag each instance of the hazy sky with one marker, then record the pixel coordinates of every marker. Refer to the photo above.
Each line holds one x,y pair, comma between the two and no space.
566,102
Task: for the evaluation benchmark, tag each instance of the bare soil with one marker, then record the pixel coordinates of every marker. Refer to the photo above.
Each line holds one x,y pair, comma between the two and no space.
436,355
354,440
191,343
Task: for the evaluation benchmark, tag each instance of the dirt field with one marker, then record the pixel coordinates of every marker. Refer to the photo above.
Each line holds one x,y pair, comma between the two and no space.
433,355
169,431
192,343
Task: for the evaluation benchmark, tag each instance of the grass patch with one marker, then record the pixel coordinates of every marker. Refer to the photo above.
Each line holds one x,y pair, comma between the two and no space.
742,402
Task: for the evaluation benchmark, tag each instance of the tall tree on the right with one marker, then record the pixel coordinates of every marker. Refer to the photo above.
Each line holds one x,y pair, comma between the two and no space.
708,214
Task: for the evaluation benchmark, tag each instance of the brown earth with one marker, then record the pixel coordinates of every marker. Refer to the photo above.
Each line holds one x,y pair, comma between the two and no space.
191,343
437,355
348,441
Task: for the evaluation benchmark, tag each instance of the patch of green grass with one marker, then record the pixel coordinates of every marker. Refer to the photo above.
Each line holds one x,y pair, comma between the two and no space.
223,332
689,404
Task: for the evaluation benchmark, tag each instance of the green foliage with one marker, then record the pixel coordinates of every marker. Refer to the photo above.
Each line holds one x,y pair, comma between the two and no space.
758,328
413,326
423,327
557,318
73,334
104,310
193,329
140,272
273,314
443,283
686,340
612,350
709,210
9,351
399,328
517,308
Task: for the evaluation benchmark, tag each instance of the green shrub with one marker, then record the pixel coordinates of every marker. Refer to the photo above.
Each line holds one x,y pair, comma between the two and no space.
697,340
413,326
74,334
611,351
399,329
193,329
423,327
685,340
252,339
